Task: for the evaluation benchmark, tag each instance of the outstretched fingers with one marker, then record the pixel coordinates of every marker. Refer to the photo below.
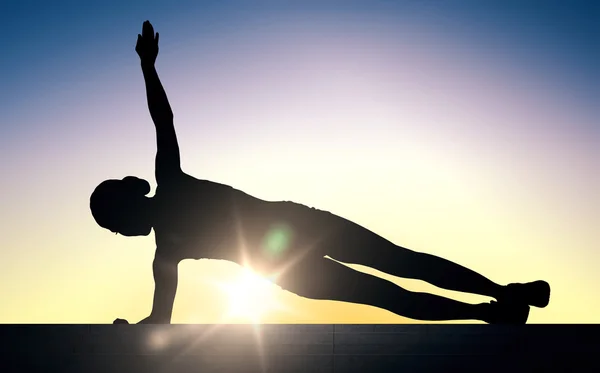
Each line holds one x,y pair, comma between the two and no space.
147,30
147,43
148,33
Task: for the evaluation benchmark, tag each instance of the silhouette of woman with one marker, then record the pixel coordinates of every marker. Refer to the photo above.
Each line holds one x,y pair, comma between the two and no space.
283,240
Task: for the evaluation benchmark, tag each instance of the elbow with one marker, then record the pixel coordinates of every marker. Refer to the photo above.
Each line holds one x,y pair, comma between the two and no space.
164,268
164,265
162,119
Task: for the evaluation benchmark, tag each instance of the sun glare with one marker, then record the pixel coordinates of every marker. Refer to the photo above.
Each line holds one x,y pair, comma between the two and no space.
250,297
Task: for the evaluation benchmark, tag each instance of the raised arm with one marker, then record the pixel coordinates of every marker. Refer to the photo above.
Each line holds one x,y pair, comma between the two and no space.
167,155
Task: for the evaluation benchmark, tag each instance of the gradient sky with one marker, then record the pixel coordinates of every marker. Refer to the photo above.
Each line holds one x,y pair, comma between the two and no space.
465,129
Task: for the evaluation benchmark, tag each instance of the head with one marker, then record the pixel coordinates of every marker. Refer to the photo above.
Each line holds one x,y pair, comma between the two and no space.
121,206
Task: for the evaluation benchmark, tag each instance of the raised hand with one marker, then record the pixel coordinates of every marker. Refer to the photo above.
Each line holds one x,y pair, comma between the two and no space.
147,44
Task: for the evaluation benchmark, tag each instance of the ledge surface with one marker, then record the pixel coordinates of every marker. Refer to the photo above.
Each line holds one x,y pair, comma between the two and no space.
298,348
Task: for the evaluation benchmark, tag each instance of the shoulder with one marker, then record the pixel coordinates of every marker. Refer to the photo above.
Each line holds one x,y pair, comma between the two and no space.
180,179
211,184
168,177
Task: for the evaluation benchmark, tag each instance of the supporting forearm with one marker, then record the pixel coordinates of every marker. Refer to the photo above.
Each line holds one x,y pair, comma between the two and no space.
165,288
160,110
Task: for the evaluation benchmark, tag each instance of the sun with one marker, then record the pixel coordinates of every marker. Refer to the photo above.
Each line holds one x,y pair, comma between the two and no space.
250,296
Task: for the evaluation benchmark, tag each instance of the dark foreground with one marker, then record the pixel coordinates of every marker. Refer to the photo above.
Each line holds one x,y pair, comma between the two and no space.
299,348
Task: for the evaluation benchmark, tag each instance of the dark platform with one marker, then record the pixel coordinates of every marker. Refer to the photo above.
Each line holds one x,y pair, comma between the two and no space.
299,348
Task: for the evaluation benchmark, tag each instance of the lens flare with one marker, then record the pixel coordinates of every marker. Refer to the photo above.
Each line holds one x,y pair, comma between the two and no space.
278,239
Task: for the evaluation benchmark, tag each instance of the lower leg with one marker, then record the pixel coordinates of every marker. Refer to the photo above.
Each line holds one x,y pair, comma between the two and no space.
448,275
401,262
329,280
381,293
445,274
430,307
360,246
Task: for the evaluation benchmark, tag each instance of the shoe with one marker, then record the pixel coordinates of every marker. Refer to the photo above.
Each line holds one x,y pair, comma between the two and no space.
535,294
506,313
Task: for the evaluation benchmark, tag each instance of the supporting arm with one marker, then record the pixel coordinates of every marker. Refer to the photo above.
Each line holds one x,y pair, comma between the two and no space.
165,287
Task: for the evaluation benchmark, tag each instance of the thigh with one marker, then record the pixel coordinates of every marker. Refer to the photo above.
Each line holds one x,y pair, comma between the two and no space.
352,243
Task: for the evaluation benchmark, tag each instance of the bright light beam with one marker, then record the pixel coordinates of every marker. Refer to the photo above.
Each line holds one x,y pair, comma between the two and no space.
250,297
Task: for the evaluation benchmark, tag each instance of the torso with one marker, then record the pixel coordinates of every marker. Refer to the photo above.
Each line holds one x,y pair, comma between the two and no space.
195,218
201,219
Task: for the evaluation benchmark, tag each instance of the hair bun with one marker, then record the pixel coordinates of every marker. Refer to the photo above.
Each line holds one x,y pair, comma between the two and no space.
136,185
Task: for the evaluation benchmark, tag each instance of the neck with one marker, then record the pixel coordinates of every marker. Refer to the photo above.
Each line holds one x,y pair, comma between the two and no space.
150,210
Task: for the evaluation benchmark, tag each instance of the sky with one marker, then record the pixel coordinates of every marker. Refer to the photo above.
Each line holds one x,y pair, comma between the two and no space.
465,129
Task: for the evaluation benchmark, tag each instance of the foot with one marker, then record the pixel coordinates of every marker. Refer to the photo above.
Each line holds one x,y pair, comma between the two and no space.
535,294
505,313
